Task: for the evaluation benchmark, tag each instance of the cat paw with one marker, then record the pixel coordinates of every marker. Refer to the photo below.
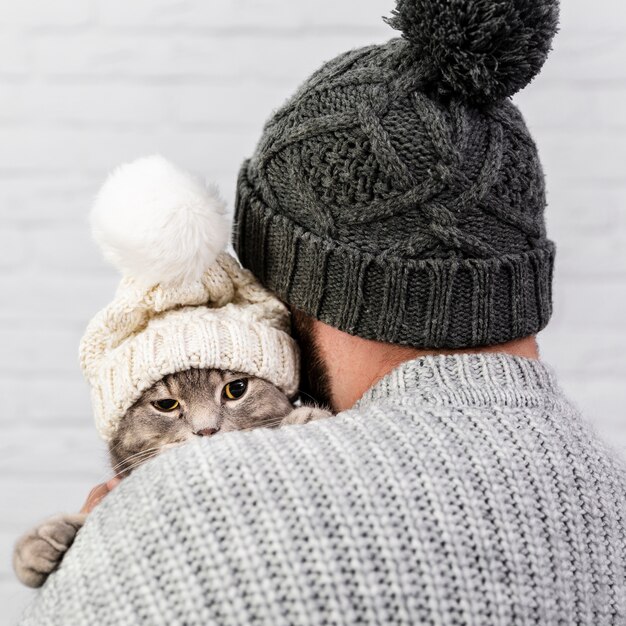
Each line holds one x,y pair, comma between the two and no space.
304,415
39,552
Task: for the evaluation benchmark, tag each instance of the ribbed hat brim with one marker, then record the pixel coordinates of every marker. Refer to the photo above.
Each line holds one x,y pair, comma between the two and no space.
430,303
192,337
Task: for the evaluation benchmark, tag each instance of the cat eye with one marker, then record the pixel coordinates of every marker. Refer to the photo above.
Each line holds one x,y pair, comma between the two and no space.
235,389
166,405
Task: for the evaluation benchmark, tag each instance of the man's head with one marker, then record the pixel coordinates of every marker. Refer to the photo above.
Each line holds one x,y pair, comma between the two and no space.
398,196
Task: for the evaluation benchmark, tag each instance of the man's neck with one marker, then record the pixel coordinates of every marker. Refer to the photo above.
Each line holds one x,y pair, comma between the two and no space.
354,365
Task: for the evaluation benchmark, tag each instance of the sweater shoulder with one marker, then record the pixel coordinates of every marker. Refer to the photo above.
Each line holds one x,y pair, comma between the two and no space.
392,513
385,445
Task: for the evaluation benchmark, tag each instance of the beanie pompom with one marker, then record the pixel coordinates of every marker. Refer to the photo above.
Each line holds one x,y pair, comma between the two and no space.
157,223
478,50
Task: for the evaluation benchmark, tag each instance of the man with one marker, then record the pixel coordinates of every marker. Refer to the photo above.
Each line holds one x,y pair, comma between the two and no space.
396,204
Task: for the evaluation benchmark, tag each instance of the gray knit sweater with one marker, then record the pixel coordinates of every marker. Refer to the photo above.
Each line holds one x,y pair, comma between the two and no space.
459,490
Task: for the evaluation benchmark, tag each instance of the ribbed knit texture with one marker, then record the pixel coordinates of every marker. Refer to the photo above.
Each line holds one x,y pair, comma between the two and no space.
459,490
396,216
224,320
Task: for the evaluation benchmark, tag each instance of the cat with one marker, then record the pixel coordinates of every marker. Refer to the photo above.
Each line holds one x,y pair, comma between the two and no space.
178,408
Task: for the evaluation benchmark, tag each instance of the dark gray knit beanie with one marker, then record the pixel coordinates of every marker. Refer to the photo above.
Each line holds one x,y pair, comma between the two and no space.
398,195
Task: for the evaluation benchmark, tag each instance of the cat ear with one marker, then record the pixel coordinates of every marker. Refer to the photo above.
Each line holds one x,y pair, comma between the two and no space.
159,224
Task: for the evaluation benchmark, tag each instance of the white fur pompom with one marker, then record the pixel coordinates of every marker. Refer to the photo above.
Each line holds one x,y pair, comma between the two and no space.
158,224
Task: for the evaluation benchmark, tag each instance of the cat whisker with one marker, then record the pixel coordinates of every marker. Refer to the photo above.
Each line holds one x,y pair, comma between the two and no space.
136,454
141,461
134,457
269,423
271,420
308,395
121,467
111,450
115,447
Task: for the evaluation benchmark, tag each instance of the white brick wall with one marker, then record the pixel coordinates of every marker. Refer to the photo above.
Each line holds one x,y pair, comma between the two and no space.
86,84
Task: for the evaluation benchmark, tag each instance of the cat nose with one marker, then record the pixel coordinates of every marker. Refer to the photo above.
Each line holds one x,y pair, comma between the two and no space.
206,432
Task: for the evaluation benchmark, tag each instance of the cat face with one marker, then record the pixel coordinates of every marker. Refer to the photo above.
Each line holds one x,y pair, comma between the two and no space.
193,403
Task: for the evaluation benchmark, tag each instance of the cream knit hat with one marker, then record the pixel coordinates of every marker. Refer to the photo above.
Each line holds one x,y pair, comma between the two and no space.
183,301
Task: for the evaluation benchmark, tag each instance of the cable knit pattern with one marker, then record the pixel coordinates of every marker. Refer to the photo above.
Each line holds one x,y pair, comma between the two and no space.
365,190
459,490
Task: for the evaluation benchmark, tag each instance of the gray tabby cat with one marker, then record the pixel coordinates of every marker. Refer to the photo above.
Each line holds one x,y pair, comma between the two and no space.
180,407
